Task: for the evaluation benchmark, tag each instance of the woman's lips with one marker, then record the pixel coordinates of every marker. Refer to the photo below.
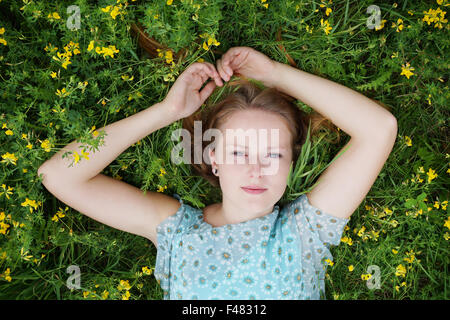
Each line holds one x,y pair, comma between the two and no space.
254,191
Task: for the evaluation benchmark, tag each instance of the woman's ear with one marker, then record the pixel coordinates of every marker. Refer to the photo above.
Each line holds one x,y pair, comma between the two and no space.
212,156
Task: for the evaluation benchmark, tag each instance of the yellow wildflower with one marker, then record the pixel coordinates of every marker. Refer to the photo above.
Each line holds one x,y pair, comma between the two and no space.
326,26
381,26
400,271
347,240
147,271
124,285
366,276
406,70
351,268
408,141
169,2
447,222
106,9
431,175
105,295
329,262
126,296
115,12
54,15
399,25
6,275
9,157
91,45
62,93
7,193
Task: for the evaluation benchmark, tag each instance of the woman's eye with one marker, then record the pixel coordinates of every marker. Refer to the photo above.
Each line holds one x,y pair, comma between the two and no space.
276,154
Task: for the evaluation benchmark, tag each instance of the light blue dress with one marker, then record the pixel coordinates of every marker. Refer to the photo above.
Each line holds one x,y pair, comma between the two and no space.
278,256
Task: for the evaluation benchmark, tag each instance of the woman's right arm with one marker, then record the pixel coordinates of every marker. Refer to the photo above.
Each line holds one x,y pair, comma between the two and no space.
120,135
113,202
102,198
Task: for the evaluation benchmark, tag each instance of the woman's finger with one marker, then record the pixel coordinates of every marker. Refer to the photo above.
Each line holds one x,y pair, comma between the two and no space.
220,70
213,73
206,91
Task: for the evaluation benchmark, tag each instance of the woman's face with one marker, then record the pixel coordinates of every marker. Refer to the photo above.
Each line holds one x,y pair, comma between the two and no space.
269,168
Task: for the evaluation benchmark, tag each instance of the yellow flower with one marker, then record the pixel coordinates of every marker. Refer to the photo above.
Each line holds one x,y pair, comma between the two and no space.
7,275
347,240
400,271
29,203
406,70
2,30
361,231
126,296
147,270
366,276
328,11
53,74
124,285
85,294
169,2
444,205
431,175
447,222
106,9
108,51
408,141
9,157
62,93
326,26
351,268
381,25
115,12
329,262
105,295
54,15
91,45
399,25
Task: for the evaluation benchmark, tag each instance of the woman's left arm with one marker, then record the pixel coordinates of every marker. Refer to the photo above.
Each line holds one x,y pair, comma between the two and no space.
345,183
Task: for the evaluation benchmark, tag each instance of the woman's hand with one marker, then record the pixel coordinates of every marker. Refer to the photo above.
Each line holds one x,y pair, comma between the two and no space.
184,97
248,62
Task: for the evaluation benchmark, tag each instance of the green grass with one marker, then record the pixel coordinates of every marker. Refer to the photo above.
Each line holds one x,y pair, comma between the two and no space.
37,251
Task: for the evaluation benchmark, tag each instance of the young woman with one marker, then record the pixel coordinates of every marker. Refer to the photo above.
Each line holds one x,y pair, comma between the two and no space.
245,247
